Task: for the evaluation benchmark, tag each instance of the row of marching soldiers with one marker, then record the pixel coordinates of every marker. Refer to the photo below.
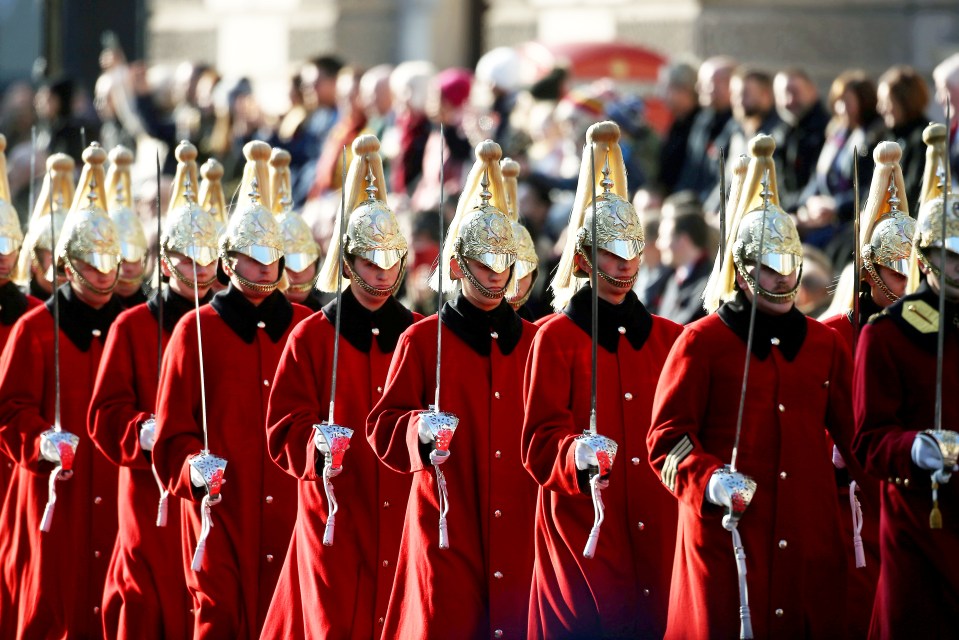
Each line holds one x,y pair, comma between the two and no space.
730,510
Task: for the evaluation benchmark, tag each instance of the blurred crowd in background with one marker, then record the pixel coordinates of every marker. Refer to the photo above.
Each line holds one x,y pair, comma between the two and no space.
715,107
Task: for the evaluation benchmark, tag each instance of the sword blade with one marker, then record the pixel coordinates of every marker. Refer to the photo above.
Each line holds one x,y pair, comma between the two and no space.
439,273
857,249
339,286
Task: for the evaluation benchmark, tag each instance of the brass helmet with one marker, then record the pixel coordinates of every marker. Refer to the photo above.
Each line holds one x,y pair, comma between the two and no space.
88,233
252,230
133,241
11,235
618,228
54,198
929,221
781,248
372,230
886,228
189,230
300,249
527,261
211,198
480,229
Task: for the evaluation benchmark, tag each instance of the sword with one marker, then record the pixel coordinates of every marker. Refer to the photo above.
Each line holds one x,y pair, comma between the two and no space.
947,440
162,508
442,424
336,437
210,467
604,448
33,166
722,206
857,250
63,443
742,488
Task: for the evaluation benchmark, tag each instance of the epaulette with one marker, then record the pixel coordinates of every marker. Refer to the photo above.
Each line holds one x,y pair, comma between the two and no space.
915,317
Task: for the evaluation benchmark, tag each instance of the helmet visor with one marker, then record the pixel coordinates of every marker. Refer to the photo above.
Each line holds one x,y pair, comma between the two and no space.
261,253
383,258
297,262
782,263
900,265
102,262
131,252
524,268
498,262
625,249
9,245
201,254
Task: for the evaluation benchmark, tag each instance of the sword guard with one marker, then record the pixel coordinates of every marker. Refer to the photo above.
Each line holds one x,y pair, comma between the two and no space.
337,440
441,424
605,450
740,488
211,469
948,443
61,445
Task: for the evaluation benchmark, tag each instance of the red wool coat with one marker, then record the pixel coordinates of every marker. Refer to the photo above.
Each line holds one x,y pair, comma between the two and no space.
861,589
53,580
791,532
254,519
895,392
340,591
623,590
480,585
145,594
6,465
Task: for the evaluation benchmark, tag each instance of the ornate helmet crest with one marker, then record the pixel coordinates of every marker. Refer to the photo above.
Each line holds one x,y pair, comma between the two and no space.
133,241
88,233
618,229
781,248
190,230
929,221
372,230
527,261
11,235
299,247
252,230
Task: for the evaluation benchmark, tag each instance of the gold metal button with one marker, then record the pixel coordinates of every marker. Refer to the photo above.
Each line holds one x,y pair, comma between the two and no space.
269,499
774,342
261,324
628,395
779,613
783,475
96,333
375,331
782,408
493,335
496,394
640,525
498,575
97,500
269,557
622,331
783,544
635,461
497,514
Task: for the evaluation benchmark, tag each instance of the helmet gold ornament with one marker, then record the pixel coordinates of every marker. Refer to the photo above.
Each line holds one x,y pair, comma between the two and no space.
886,228
618,229
54,198
133,241
252,230
211,198
11,235
88,232
480,229
929,221
189,229
372,230
781,248
300,248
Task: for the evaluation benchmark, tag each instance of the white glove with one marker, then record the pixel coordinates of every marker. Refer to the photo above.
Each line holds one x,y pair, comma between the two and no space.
927,455
837,460
716,492
48,451
148,434
426,436
197,478
584,456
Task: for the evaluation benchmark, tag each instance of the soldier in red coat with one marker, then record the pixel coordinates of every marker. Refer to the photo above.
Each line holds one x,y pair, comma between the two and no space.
798,388
145,594
342,591
886,241
895,398
478,587
63,567
622,591
243,330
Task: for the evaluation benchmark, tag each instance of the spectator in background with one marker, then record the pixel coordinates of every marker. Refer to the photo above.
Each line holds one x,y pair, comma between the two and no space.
754,108
678,89
801,134
827,202
318,87
58,131
377,99
446,103
684,247
351,122
902,100
814,297
404,144
946,77
708,134
640,145
652,275
496,85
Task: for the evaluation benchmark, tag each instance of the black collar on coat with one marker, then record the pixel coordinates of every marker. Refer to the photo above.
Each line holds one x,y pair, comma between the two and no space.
312,301
244,317
358,323
175,307
138,297
79,321
13,303
630,315
788,330
476,327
